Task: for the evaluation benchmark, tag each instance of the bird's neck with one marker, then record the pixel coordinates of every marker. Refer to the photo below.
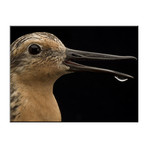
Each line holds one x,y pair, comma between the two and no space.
33,101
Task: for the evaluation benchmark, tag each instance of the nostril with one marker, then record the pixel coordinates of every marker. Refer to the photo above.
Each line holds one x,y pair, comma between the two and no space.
76,55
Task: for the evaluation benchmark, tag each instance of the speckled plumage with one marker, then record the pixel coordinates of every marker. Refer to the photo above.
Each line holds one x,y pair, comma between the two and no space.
33,76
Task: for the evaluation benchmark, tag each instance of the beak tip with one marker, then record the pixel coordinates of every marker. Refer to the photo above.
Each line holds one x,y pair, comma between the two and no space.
135,58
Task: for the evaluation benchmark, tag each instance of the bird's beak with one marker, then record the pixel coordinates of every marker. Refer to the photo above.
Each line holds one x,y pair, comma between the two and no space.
72,56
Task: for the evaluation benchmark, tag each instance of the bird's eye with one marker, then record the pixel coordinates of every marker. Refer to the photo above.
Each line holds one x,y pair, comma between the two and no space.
34,49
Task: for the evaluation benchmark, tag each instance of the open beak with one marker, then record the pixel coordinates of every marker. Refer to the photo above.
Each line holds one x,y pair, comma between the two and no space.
72,56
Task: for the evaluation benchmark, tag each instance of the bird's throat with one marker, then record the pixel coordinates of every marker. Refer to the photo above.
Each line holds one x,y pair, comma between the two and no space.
36,101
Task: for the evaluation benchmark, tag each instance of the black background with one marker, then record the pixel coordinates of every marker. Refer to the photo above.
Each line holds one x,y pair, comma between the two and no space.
92,96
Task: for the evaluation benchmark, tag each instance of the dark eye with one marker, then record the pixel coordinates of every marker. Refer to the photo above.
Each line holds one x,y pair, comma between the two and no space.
34,49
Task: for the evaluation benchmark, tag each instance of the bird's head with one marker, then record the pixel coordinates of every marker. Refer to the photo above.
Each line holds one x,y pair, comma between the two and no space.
38,56
42,56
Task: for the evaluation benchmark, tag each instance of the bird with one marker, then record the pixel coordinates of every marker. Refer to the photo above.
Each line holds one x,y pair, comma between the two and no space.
37,60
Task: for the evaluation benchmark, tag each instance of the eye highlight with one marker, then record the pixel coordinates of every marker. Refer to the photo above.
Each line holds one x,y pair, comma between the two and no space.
34,49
